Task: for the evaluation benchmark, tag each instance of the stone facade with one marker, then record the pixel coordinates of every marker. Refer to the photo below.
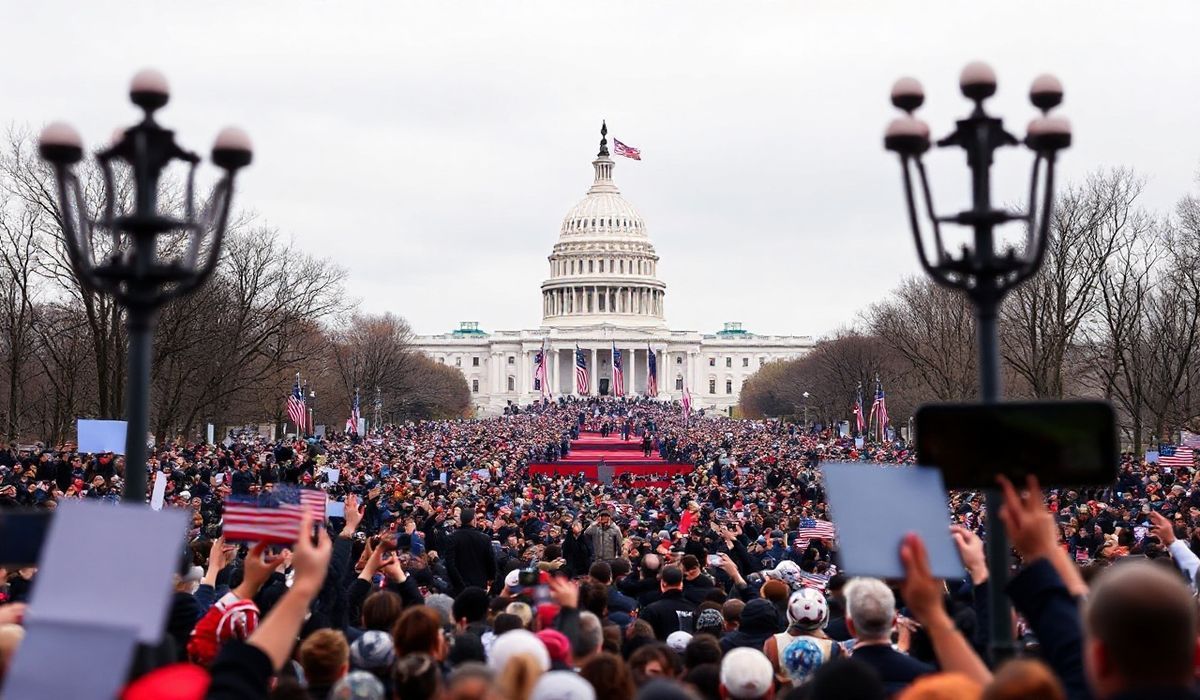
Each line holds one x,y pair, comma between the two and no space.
602,291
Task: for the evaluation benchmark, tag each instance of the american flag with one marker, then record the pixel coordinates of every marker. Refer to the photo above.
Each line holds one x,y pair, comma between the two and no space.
314,501
651,372
687,403
582,384
1172,456
879,407
540,371
618,372
627,151
859,419
269,517
1189,439
296,409
352,421
811,529
813,580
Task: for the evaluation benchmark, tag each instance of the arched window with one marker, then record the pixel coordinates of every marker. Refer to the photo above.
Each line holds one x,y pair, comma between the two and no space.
622,267
590,266
679,382
475,386
512,383
602,266
728,386
712,386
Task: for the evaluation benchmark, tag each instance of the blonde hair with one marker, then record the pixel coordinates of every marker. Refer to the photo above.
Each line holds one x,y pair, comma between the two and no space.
1024,678
518,677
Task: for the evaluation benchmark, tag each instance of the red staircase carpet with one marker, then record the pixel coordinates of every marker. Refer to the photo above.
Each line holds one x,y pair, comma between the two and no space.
624,456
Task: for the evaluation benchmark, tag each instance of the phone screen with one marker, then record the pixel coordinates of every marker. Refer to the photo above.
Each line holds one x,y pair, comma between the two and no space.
1063,443
714,560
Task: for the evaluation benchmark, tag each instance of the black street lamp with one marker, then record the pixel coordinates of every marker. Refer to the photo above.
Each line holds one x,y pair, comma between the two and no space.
982,272
127,262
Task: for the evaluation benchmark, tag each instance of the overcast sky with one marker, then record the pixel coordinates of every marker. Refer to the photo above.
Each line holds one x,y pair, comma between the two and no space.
432,148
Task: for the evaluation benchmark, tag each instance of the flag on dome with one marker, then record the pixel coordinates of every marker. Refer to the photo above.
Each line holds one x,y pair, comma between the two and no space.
296,409
652,372
618,372
627,151
582,385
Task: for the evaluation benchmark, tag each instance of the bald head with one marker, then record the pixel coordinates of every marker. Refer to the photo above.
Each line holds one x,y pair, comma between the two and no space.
1140,621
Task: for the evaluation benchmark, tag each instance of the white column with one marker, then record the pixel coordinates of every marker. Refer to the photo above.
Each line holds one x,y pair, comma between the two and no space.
594,379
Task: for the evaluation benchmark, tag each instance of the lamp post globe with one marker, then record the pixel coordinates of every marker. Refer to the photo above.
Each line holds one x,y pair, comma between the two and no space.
125,261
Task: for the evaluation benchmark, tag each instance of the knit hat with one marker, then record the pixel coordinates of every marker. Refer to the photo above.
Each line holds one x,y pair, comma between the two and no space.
710,620
357,685
516,642
557,645
562,685
747,674
373,650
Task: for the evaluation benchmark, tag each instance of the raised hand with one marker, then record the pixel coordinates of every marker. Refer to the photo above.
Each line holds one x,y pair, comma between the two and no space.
256,570
353,516
310,561
1161,527
970,549
1027,520
922,592
565,592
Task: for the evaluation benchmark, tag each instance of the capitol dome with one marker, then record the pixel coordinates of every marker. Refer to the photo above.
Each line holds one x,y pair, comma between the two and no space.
603,269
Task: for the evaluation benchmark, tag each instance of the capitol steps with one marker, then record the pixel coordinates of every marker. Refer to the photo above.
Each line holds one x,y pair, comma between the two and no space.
624,456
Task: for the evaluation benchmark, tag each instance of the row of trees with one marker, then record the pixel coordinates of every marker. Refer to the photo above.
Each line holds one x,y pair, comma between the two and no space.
1114,314
226,355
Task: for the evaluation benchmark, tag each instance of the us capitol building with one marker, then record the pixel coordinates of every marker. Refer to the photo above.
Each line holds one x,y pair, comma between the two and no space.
603,289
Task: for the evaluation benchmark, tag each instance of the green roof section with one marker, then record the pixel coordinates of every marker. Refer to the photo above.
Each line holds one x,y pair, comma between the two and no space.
468,329
732,329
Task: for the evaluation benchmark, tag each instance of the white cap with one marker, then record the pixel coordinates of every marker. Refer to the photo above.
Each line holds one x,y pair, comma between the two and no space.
747,674
516,642
678,641
562,685
513,579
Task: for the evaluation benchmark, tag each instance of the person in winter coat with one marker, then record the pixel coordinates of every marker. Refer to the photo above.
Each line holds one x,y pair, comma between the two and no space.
469,557
577,550
671,612
759,623
606,538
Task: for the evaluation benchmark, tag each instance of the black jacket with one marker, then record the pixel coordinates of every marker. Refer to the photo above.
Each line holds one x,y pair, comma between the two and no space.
670,613
759,622
469,559
897,670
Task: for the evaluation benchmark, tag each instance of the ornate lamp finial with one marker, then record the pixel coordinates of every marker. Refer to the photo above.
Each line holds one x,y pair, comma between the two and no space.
603,139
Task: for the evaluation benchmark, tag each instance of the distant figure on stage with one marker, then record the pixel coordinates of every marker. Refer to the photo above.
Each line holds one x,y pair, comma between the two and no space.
647,445
625,427
604,473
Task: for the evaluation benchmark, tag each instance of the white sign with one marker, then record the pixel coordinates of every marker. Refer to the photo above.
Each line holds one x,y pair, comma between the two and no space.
159,495
98,436
333,474
212,430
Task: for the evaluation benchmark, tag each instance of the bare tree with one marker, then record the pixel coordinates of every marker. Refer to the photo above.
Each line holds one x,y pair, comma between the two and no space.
1042,318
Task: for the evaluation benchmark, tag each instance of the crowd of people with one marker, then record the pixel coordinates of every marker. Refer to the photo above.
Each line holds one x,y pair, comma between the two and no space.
455,573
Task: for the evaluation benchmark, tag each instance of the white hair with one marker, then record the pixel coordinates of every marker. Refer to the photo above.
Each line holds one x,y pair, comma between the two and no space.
871,607
591,634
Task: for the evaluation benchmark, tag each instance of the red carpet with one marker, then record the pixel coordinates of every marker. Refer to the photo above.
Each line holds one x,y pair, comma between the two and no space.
625,456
